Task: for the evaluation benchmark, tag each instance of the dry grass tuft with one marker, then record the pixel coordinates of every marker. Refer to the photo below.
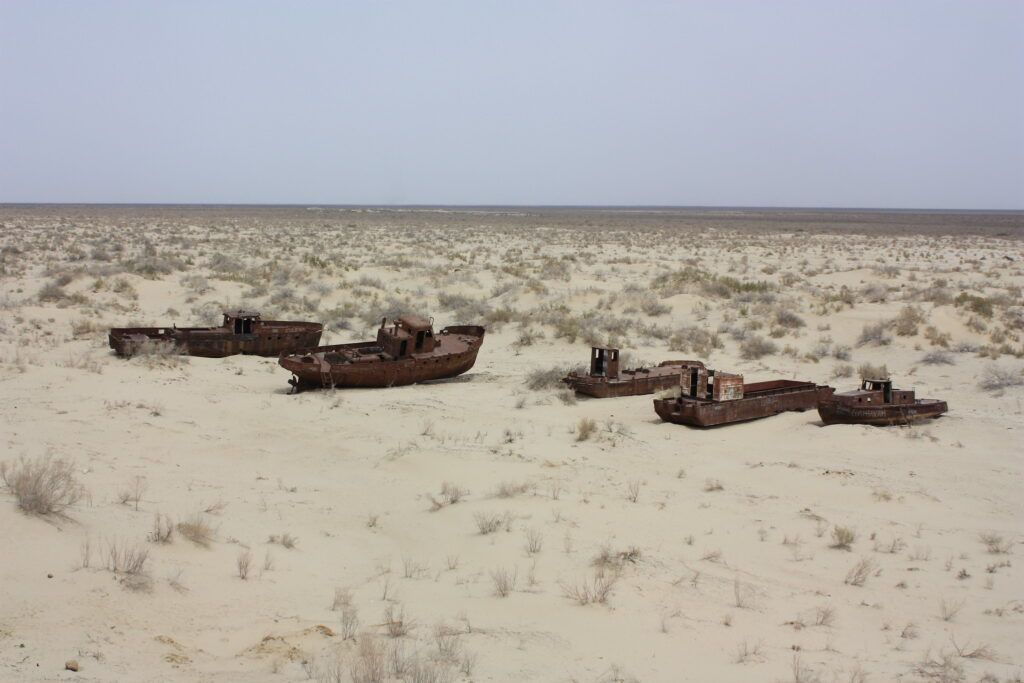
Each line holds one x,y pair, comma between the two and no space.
597,589
860,572
585,428
242,564
44,486
842,537
286,540
995,543
163,529
197,530
396,623
504,581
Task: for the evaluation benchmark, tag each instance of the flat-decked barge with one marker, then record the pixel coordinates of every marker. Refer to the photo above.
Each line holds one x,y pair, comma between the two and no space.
709,398
241,332
607,380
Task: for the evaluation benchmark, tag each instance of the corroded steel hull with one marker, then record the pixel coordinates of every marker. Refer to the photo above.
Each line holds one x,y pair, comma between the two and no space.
761,399
631,382
835,411
333,366
269,338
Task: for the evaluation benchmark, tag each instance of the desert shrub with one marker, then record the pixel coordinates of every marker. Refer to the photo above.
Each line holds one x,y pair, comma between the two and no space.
938,293
938,358
651,306
860,572
585,428
842,537
937,338
907,321
549,378
842,370
504,581
754,347
197,530
1014,318
876,335
975,304
285,540
125,558
995,378
51,292
695,339
595,590
488,523
869,371
197,284
157,353
789,320
841,352
83,327
163,529
44,486
153,266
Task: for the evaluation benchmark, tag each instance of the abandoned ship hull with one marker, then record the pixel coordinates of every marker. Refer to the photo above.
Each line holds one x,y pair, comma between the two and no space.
364,365
761,399
268,339
631,382
836,412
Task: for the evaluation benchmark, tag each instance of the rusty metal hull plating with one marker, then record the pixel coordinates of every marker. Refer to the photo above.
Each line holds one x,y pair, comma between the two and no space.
260,338
760,399
631,382
365,364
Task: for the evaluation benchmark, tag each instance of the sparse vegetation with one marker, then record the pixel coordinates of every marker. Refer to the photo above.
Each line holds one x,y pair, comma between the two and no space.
42,486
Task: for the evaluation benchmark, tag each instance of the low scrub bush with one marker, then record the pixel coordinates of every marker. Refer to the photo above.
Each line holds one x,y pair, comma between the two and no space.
44,486
755,347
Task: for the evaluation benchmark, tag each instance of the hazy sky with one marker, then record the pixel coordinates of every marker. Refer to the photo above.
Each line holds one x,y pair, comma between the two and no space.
858,103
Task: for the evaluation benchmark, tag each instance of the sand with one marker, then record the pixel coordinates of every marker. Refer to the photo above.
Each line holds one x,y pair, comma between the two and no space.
701,555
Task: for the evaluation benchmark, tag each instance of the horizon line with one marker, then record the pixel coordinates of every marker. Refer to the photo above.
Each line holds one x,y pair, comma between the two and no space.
634,207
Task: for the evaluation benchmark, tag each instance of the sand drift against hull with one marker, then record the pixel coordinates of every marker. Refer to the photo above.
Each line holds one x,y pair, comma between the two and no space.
241,332
405,352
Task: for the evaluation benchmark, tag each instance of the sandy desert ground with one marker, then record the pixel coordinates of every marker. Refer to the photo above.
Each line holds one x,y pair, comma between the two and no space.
493,527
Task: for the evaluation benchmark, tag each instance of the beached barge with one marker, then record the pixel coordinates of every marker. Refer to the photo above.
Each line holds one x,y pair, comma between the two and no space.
405,352
606,380
242,332
877,403
709,398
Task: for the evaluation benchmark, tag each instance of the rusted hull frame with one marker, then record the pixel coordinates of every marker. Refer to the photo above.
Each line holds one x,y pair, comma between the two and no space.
836,412
635,383
764,403
272,338
441,364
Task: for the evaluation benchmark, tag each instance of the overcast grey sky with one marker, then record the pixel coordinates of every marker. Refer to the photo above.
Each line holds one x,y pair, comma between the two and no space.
916,104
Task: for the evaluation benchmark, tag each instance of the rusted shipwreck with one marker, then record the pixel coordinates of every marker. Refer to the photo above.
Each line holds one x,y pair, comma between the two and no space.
242,332
405,352
709,398
606,380
877,403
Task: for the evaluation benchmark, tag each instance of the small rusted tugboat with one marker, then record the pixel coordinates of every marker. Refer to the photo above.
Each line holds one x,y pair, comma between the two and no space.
242,332
405,352
606,380
709,398
877,403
